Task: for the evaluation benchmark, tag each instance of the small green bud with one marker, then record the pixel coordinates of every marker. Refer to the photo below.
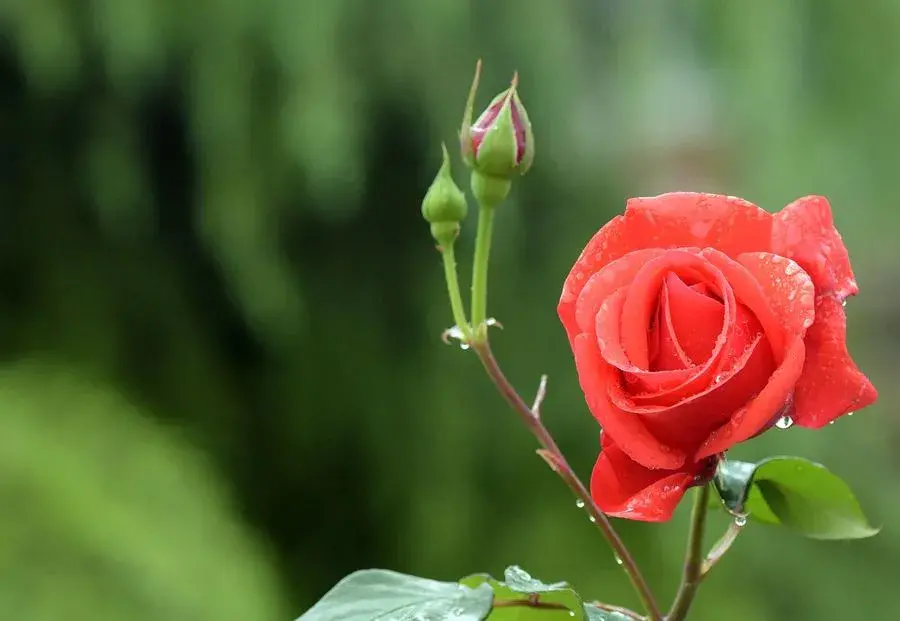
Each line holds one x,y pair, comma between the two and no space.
444,205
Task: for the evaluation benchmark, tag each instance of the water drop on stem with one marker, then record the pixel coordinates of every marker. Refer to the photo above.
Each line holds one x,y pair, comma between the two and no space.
785,422
579,503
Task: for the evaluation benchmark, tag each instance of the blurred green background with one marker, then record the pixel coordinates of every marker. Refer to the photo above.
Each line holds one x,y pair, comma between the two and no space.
222,385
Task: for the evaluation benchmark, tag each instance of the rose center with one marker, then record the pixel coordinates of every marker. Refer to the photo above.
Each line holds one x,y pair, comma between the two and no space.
687,322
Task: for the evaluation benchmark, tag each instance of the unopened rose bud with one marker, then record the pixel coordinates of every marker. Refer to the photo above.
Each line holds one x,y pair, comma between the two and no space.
499,144
444,205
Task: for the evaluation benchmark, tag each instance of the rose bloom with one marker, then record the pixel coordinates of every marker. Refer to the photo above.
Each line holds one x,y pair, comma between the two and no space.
697,321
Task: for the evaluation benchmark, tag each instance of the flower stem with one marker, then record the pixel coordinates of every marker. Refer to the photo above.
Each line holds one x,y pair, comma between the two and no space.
693,562
456,303
557,461
480,271
722,546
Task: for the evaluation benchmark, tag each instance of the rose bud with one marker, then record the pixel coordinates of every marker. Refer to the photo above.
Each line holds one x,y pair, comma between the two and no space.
499,144
444,205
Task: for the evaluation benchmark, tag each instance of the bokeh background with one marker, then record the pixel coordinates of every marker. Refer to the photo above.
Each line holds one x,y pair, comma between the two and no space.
222,386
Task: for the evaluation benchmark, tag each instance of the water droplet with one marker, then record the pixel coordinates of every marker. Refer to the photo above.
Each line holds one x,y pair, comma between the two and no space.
464,346
619,560
592,519
571,614
844,303
740,520
785,422
579,503
831,423
718,378
791,268
850,413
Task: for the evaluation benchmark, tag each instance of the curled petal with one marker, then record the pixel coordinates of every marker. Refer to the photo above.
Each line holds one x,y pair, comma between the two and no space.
804,231
756,415
624,488
831,385
595,376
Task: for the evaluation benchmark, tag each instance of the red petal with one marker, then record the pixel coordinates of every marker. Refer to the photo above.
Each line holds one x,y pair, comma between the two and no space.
748,421
677,219
743,335
626,489
831,385
595,376
671,220
666,353
633,317
696,319
804,231
600,286
776,290
689,423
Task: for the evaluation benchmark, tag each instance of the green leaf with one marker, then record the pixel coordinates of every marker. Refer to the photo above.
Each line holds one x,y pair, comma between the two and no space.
595,613
794,492
380,594
518,586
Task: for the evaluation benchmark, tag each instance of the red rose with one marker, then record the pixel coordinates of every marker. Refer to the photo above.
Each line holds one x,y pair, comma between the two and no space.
696,322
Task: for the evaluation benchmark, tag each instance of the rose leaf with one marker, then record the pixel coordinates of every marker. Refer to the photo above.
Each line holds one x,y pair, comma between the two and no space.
519,586
799,494
381,594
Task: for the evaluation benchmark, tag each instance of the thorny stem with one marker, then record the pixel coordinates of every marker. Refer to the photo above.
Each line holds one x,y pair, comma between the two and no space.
480,271
557,461
722,546
456,303
693,567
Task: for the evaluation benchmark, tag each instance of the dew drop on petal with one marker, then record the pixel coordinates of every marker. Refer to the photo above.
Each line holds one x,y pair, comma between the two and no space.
785,422
718,378
844,303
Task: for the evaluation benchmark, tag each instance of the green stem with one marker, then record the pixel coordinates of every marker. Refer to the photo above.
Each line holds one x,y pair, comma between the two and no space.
693,562
480,271
456,302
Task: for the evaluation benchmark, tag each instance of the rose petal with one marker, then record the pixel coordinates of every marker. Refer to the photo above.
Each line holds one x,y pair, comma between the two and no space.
745,331
599,287
624,488
595,375
608,330
694,378
677,219
748,421
672,220
689,423
666,353
643,295
831,385
695,318
776,290
804,231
